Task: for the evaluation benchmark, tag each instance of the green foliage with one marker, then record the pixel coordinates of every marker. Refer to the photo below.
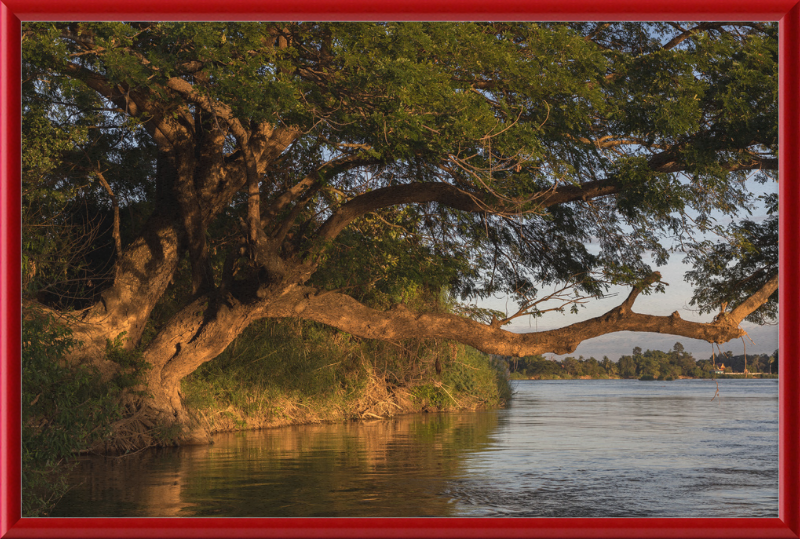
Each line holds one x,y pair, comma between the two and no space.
384,261
47,236
281,372
469,376
132,367
658,365
544,369
64,410
504,111
68,135
730,272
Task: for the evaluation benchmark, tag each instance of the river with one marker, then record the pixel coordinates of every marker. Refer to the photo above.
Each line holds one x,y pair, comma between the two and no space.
582,448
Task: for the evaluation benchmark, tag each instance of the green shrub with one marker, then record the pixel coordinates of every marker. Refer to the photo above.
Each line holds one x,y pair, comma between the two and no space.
64,410
474,374
296,371
132,367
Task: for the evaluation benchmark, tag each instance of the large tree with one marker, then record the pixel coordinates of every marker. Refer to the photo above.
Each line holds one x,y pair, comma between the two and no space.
294,169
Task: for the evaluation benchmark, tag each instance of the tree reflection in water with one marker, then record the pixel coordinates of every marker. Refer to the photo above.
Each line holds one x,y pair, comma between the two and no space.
380,468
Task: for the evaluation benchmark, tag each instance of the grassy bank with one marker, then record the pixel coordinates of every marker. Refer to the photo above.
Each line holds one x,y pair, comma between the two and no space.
291,372
276,373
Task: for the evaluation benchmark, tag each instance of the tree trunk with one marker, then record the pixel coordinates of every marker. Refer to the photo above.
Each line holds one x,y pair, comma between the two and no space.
197,334
143,273
200,332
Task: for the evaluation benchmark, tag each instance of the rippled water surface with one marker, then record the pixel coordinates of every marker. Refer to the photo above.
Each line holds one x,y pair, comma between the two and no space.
583,448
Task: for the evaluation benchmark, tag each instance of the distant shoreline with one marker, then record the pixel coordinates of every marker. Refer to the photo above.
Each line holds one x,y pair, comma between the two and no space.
675,364
726,376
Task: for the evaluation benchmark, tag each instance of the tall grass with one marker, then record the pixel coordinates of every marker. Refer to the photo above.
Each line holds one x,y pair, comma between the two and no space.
288,371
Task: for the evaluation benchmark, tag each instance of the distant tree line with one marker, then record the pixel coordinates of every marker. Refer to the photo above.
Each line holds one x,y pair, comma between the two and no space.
653,364
762,363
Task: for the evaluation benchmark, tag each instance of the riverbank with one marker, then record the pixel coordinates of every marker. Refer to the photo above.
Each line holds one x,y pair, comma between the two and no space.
569,438
290,373
276,373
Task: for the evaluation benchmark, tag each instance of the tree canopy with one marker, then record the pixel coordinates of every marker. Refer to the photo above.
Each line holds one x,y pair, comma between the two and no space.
319,170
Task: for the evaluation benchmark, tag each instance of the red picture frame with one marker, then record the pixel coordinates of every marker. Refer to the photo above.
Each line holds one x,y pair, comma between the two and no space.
787,12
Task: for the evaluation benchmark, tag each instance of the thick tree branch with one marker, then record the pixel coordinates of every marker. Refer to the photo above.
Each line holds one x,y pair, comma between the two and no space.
668,162
134,103
418,193
451,196
746,308
282,231
253,193
127,101
347,314
217,108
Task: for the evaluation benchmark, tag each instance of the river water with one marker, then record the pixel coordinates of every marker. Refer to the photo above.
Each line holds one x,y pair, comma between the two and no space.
582,448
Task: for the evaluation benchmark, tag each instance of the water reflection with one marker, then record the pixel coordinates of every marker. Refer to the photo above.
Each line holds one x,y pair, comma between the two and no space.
563,449
381,468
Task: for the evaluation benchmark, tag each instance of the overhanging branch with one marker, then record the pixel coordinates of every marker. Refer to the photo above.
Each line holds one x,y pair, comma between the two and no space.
347,314
453,197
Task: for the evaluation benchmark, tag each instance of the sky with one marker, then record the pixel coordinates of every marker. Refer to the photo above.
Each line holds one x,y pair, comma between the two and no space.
676,298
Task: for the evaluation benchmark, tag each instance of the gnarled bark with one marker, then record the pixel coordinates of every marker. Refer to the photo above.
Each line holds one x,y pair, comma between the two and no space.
191,193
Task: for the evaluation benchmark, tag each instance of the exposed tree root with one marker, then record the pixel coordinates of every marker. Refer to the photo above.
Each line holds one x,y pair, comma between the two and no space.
143,426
